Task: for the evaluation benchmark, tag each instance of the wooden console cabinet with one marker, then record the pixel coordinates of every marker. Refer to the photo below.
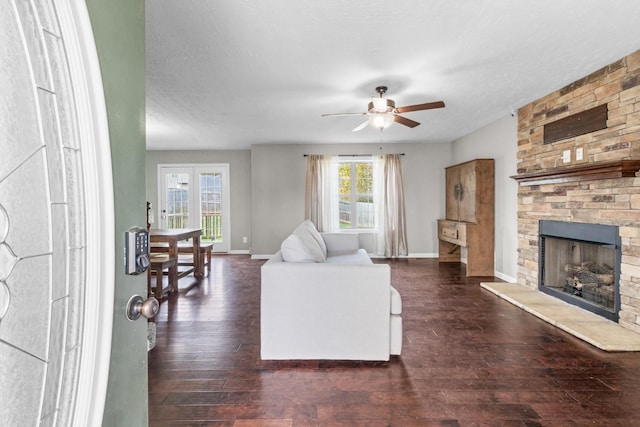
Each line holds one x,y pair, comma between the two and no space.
470,216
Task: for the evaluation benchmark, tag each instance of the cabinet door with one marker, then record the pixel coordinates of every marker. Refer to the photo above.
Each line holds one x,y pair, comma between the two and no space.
452,181
467,197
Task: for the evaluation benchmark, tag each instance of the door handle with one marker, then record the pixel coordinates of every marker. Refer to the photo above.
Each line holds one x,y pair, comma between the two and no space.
138,306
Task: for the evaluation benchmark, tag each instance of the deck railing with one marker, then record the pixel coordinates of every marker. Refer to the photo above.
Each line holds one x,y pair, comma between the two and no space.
365,211
211,225
210,222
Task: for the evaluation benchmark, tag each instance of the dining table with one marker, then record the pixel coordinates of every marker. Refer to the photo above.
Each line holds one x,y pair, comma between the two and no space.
172,236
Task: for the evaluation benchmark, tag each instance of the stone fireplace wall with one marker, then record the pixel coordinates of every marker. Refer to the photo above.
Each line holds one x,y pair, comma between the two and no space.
600,201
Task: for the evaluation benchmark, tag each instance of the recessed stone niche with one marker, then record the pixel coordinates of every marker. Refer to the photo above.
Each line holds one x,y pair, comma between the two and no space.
591,199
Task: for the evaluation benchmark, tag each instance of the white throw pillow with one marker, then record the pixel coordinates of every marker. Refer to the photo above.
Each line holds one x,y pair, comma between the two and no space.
296,249
309,227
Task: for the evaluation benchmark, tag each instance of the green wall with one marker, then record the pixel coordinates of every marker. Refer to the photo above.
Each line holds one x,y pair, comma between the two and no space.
118,27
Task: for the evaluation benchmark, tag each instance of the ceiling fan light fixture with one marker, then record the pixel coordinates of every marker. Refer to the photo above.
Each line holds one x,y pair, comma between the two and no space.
379,104
382,112
381,120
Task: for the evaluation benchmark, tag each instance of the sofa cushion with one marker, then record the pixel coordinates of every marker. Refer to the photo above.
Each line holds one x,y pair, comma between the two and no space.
307,228
301,249
341,242
358,257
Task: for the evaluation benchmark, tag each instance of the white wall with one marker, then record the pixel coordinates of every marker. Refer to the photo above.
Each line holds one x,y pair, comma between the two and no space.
278,181
498,140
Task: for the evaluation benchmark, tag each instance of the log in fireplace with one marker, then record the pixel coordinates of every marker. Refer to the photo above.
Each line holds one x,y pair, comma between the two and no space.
580,264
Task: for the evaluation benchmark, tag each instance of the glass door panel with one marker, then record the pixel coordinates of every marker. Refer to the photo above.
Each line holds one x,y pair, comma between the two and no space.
211,206
213,181
176,206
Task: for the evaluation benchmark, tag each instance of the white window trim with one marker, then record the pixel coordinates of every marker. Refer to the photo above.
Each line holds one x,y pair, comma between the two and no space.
365,158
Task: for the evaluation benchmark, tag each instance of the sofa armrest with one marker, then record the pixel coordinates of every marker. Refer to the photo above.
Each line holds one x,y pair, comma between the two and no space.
341,242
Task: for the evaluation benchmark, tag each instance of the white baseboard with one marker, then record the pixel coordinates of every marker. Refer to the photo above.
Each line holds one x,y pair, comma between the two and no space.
423,255
261,256
506,278
239,252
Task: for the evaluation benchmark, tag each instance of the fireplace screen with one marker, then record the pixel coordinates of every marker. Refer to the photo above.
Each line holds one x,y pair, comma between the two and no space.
582,270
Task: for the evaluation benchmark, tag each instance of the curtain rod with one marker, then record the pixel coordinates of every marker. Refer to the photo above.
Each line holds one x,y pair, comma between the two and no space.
353,155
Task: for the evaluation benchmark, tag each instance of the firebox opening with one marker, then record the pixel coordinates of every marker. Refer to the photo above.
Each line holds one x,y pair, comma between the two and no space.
580,264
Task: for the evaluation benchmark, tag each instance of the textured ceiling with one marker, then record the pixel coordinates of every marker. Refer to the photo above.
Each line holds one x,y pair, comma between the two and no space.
227,74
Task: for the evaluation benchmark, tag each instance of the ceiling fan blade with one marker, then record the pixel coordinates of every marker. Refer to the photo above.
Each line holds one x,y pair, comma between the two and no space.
343,114
418,107
361,126
405,121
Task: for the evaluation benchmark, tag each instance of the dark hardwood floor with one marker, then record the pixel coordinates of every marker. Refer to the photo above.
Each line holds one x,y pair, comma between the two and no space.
469,359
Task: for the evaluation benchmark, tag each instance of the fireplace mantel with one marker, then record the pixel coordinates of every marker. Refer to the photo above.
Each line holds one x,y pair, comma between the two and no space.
588,171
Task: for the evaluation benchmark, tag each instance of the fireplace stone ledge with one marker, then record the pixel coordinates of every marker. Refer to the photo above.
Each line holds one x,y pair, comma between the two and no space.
596,330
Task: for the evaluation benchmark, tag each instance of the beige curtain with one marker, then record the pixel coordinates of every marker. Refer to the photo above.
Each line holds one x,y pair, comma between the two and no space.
321,205
312,190
392,229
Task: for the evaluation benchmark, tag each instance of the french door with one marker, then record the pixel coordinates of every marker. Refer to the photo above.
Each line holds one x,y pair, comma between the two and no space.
196,196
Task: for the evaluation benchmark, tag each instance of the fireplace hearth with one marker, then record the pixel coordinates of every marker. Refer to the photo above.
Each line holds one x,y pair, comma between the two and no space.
580,264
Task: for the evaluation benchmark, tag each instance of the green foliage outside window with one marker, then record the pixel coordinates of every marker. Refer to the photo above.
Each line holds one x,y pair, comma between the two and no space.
364,180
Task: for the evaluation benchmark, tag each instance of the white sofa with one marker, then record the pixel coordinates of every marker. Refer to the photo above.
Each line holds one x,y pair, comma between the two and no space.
341,307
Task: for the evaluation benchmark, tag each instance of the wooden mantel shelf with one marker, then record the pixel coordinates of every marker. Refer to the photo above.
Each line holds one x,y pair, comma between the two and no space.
600,170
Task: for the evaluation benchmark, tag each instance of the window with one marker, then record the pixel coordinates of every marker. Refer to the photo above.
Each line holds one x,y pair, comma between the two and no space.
364,193
355,184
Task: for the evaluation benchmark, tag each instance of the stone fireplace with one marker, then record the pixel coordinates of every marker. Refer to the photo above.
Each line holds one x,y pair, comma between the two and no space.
580,264
589,178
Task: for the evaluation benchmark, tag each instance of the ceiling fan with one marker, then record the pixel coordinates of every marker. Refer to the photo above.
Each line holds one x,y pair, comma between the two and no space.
383,112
